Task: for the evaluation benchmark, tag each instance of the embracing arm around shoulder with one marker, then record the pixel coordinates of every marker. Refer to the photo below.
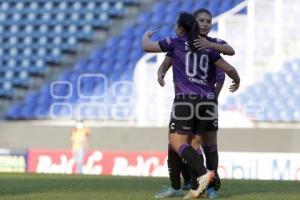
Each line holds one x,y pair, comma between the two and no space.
225,49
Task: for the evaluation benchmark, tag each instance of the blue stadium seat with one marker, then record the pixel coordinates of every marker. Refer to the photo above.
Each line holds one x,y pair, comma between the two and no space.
172,8
200,4
280,103
14,112
96,54
51,27
22,79
187,6
81,65
127,32
32,30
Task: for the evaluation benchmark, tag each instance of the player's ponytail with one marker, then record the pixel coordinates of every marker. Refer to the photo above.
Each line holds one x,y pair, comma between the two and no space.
191,27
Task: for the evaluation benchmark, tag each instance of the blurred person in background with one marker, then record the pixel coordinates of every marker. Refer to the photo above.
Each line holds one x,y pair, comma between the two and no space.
79,140
207,142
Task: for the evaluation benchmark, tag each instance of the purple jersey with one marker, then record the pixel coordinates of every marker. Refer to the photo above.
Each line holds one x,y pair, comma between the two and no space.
220,74
193,72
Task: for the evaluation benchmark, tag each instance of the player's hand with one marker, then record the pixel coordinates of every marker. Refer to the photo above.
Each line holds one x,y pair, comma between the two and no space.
150,33
160,78
234,86
202,43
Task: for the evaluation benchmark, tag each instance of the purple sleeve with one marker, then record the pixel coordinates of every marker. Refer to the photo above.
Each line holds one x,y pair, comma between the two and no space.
214,55
220,76
219,41
167,44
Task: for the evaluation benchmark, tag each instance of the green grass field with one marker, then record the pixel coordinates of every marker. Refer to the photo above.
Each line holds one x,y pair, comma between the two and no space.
72,187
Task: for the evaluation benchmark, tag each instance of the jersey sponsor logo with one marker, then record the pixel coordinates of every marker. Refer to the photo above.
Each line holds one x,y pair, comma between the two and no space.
198,81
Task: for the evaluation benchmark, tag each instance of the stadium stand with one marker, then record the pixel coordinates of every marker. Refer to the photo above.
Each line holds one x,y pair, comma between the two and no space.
115,59
120,51
275,97
34,33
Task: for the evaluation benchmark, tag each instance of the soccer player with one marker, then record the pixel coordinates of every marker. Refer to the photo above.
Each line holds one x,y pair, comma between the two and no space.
193,71
204,18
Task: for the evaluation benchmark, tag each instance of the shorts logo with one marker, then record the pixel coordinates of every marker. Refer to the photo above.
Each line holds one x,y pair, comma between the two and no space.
215,123
172,126
187,128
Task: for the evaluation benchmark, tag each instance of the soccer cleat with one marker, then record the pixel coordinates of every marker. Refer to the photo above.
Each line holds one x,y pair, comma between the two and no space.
217,182
211,193
204,180
192,194
186,186
169,192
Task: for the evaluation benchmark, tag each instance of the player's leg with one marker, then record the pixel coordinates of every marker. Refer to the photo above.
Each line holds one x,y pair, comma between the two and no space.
206,121
174,165
189,155
186,174
179,144
182,126
210,149
195,143
186,171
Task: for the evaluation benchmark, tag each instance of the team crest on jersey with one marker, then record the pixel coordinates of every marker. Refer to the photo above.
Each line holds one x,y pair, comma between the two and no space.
219,40
168,40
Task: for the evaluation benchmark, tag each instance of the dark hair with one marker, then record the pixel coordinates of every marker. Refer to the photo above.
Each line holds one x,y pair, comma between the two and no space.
202,10
191,27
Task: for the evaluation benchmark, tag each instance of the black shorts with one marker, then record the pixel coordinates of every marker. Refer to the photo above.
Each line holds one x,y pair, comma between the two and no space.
193,114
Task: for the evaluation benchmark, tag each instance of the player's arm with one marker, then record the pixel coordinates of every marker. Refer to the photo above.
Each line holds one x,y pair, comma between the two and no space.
231,72
148,44
224,48
220,79
162,70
